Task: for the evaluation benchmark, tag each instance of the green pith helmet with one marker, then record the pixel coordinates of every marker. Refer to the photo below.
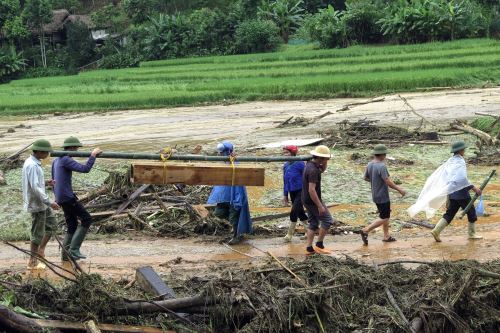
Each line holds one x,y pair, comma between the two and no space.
72,142
41,145
457,146
379,150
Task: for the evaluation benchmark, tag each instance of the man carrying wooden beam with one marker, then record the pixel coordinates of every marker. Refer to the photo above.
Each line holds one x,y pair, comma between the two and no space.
62,173
36,200
319,216
448,184
232,202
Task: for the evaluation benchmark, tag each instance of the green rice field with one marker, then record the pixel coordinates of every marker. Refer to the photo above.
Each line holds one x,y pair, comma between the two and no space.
296,72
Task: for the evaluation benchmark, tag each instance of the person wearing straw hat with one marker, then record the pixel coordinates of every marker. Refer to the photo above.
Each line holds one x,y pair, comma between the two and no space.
37,202
62,173
457,178
319,216
376,173
292,186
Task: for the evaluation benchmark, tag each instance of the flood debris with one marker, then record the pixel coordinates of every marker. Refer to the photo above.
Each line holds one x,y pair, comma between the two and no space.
364,131
319,294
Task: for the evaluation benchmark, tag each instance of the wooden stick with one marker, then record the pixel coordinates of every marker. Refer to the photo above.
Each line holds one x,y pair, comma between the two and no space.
19,323
392,300
74,326
91,327
286,268
229,247
405,101
134,196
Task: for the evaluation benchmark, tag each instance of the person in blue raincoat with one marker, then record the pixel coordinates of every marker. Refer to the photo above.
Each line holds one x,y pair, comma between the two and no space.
232,202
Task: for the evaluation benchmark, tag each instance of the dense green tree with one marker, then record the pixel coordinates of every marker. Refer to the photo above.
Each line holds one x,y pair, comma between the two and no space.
256,36
327,28
361,20
71,5
139,10
165,36
79,43
11,62
36,13
287,14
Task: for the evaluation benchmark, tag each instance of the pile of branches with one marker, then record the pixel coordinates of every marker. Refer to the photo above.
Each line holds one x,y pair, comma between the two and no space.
320,294
364,131
167,210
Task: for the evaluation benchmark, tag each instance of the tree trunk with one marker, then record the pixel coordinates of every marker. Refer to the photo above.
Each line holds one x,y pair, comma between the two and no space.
178,304
15,322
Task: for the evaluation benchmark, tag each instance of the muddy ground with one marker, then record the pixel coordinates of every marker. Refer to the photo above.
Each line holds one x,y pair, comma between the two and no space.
249,125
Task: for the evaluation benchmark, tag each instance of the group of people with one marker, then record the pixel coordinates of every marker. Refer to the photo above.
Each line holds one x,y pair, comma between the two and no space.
302,191
40,205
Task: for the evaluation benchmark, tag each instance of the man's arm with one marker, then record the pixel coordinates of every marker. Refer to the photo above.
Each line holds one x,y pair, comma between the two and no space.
366,176
73,165
315,198
391,184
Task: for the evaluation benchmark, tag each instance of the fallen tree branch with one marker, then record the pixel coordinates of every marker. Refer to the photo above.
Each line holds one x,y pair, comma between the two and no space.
177,305
405,101
16,322
483,136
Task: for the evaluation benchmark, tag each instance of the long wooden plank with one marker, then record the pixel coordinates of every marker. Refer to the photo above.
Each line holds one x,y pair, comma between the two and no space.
197,174
74,326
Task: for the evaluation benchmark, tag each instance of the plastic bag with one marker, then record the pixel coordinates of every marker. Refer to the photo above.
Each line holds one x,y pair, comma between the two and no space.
448,178
480,207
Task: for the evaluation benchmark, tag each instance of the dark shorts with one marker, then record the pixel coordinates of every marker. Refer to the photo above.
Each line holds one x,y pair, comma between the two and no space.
384,210
315,220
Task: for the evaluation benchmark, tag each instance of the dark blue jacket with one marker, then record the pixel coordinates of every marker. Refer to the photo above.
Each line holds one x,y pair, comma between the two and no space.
292,177
62,172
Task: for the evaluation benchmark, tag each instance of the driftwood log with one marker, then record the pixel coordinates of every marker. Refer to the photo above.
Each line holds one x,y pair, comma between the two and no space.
15,322
483,136
185,305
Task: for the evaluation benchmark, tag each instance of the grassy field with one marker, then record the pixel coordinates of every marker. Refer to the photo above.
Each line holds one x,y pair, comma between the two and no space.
297,72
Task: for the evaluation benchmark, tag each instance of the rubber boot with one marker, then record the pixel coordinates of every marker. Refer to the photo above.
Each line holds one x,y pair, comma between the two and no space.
236,238
66,243
472,232
438,228
77,241
291,231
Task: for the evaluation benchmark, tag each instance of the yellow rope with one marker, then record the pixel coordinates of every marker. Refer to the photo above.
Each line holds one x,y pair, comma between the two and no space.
165,154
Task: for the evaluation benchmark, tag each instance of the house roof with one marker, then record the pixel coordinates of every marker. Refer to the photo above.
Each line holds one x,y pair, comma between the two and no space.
85,19
58,18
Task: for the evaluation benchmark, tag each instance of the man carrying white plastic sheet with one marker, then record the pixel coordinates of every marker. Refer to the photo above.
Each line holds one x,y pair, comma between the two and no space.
448,184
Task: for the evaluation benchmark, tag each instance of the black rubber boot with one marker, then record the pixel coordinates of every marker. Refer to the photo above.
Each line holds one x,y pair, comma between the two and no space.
66,244
77,241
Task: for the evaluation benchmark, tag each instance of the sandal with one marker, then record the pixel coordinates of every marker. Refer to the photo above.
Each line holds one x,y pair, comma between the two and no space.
364,237
390,239
310,253
321,250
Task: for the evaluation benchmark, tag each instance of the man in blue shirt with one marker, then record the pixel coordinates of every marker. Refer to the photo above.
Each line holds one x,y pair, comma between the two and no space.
62,173
292,186
461,198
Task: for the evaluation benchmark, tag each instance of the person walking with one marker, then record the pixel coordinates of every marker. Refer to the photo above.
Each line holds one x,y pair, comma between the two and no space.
377,175
319,216
62,172
461,197
231,202
292,189
36,200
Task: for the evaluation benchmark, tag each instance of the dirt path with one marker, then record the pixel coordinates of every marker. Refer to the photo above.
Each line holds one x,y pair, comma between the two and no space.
119,258
247,124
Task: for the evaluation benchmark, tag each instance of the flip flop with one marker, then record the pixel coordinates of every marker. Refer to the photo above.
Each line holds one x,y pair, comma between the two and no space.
390,239
321,251
364,237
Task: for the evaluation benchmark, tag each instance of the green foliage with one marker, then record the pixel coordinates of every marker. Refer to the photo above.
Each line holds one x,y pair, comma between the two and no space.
308,73
327,27
287,14
138,10
80,45
165,36
11,63
8,10
37,13
71,5
427,20
15,29
256,36
361,18
38,72
313,6
487,124
112,18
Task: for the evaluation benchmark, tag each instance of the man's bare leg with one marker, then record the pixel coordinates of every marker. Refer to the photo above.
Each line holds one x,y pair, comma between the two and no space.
310,237
375,224
385,227
43,244
322,234
33,261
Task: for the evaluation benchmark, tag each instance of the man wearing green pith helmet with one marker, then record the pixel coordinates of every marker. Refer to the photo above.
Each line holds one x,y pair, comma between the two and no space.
460,198
36,200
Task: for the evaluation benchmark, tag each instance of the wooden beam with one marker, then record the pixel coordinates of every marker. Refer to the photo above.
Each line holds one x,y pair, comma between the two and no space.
197,174
73,326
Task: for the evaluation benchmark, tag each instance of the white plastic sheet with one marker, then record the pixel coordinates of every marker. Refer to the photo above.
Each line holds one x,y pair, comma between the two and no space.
448,178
